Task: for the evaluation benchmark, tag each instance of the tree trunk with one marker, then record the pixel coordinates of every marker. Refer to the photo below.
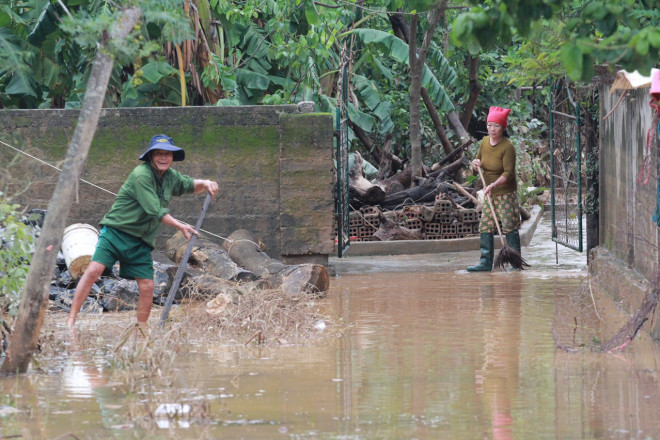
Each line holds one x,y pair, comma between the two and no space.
475,90
366,191
425,192
450,171
376,152
591,172
404,178
293,279
456,124
416,65
35,295
451,156
207,256
437,124
402,30
385,165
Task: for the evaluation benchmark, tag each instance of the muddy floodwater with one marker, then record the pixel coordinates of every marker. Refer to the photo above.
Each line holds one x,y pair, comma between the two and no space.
429,351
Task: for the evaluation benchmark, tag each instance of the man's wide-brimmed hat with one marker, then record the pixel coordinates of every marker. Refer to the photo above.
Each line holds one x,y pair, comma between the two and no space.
163,142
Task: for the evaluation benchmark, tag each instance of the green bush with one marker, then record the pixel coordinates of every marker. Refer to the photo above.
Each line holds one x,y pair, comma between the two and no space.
16,248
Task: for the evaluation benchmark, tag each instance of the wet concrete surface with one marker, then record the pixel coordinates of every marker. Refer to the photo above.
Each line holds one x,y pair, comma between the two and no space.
430,351
546,257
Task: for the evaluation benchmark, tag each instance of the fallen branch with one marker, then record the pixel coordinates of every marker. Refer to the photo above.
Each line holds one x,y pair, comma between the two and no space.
641,315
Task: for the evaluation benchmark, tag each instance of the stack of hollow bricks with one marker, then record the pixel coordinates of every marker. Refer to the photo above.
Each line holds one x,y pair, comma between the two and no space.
440,222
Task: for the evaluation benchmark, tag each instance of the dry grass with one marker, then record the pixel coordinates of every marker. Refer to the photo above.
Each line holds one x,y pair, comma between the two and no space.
144,362
248,314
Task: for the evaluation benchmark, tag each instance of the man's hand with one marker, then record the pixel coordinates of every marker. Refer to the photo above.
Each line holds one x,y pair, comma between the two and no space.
206,185
187,230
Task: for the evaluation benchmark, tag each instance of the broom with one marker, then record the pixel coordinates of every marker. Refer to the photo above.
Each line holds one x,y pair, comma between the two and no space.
507,255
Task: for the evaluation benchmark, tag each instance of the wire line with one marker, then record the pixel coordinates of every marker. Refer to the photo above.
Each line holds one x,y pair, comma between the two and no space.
96,186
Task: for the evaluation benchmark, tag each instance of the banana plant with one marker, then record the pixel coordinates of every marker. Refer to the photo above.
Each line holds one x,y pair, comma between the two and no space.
392,46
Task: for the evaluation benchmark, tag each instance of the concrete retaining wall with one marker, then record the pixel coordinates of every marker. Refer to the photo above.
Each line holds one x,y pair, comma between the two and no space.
273,164
627,256
626,202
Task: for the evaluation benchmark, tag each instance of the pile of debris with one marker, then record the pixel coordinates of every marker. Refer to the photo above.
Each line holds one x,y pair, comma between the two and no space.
440,221
212,271
437,207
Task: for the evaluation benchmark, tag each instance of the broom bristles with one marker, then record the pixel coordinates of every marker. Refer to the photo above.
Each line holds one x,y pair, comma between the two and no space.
508,255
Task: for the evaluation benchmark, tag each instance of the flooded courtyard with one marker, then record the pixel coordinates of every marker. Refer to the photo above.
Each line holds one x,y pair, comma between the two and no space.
428,351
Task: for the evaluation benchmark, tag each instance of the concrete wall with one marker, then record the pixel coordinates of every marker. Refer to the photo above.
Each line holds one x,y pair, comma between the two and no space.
626,203
273,163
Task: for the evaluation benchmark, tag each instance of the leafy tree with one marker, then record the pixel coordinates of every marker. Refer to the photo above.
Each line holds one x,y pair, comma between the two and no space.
587,32
35,294
16,248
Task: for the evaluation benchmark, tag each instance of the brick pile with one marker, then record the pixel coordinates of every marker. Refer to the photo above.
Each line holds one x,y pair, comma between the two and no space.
441,221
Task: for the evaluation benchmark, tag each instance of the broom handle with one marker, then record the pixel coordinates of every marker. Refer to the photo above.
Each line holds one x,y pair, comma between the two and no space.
492,208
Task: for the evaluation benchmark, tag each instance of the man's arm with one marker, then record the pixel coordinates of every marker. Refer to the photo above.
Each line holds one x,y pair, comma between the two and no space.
205,185
199,186
185,228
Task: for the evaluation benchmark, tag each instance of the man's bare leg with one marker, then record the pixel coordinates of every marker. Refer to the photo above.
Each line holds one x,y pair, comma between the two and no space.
92,273
146,288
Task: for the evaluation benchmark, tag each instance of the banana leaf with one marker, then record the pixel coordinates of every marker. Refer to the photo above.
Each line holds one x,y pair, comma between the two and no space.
363,120
204,11
397,49
46,24
368,93
20,81
157,70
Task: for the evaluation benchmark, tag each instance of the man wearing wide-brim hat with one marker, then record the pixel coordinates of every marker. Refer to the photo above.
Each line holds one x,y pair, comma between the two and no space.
130,227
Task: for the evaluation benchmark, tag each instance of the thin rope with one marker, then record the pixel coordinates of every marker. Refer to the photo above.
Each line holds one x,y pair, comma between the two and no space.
53,166
110,192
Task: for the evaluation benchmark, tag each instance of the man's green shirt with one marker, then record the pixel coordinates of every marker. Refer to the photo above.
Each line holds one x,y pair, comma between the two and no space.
144,199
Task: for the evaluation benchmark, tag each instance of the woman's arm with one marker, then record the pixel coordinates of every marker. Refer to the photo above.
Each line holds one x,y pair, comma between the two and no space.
500,181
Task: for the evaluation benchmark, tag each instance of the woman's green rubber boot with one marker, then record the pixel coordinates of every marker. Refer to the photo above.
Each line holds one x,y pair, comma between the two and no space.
487,252
513,240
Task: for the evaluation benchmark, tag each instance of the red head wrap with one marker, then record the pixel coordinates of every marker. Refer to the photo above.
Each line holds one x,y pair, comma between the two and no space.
498,115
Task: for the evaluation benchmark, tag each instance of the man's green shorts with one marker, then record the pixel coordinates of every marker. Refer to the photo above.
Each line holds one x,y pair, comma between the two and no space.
133,254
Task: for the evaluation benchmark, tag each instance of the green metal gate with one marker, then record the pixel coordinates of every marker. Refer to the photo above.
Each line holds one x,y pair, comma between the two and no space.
342,204
565,167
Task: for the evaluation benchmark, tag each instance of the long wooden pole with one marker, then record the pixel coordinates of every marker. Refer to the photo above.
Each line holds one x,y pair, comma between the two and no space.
182,265
492,209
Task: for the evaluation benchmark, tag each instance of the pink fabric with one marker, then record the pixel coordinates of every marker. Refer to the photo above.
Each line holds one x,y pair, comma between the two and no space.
498,115
655,86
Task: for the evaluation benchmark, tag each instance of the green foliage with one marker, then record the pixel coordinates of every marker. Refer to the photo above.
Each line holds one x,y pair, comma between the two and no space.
153,82
16,249
275,52
586,32
397,49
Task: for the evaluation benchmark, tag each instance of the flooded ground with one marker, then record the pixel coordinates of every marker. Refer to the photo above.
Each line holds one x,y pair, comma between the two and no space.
429,352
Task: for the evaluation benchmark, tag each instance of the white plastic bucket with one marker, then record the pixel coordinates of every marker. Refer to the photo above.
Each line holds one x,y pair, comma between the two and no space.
78,244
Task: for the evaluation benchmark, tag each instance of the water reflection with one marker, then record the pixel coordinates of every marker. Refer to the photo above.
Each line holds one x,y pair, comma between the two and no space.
428,354
497,379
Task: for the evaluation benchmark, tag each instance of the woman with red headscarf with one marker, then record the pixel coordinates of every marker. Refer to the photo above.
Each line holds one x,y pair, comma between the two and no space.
497,159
